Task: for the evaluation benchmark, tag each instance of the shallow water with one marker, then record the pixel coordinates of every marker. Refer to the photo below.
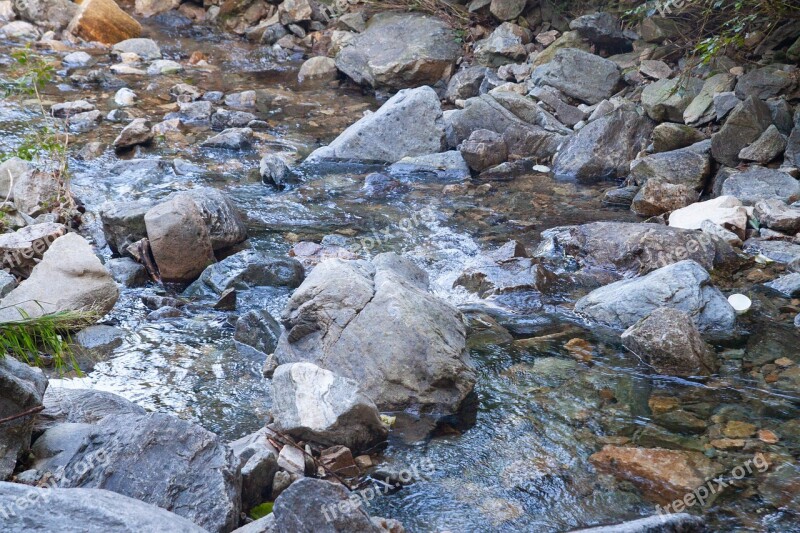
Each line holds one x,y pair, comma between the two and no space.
524,465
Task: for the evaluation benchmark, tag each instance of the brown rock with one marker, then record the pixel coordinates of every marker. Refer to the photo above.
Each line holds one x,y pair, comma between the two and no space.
103,21
663,475
768,436
339,460
662,404
736,429
728,444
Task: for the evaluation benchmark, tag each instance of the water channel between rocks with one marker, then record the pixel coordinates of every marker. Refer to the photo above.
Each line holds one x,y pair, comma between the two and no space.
524,465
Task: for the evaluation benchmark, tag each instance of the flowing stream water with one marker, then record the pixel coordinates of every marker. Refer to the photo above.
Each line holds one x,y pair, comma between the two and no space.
524,465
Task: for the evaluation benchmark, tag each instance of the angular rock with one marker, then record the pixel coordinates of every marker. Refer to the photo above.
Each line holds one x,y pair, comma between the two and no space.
160,460
400,50
332,319
22,250
666,100
767,147
679,167
200,113
37,192
759,183
656,69
507,269
21,388
506,44
66,109
51,14
702,109
245,270
778,251
465,84
147,49
507,9
484,149
103,21
449,166
274,171
10,171
668,340
775,214
415,112
601,29
82,406
258,460
123,223
669,136
766,82
658,196
310,403
127,272
579,74
231,139
604,148
257,330
788,285
139,131
746,123
726,211
221,216
684,285
69,278
85,510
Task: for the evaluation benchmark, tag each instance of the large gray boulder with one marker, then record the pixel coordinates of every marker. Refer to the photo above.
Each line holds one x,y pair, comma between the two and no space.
745,124
679,167
506,44
158,459
311,403
84,511
400,50
668,340
579,74
701,110
685,286
759,183
766,82
317,506
69,278
666,100
123,223
604,148
21,388
81,406
377,323
408,124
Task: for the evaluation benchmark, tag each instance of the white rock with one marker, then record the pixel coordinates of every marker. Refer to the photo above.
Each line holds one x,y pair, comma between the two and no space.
125,97
77,59
726,211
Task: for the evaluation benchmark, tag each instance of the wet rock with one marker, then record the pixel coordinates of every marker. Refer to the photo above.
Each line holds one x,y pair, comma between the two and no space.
507,9
400,50
231,139
703,107
137,132
668,340
90,510
77,59
685,286
274,171
767,147
258,330
679,167
173,227
601,29
579,74
775,214
669,136
766,82
69,278
241,100
506,44
484,149
663,475
82,406
415,112
22,250
258,460
507,269
661,523
96,343
123,223
666,100
624,249
746,123
103,21
127,272
66,109
604,148
726,211
320,506
658,196
331,320
152,456
759,183
446,166
311,403
465,84
83,122
223,118
21,388
245,270
318,68
621,197
779,488
788,285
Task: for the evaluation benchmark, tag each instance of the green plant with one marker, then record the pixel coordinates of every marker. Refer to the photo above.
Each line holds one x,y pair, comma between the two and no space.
29,338
261,510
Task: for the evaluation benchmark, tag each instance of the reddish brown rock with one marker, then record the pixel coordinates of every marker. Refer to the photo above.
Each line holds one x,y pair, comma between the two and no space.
103,21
